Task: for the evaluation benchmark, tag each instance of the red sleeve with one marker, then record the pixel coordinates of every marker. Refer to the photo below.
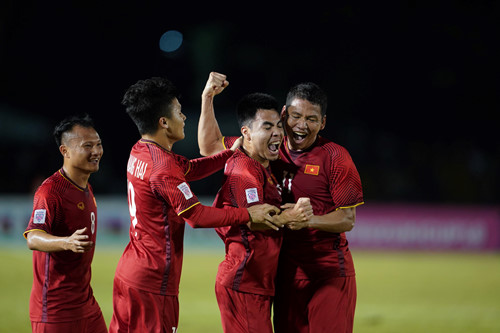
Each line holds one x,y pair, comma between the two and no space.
200,216
205,166
246,183
228,141
167,181
44,210
345,183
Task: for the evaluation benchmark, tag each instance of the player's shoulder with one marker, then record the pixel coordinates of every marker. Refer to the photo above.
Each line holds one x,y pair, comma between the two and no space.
228,141
330,147
240,163
160,158
55,185
243,159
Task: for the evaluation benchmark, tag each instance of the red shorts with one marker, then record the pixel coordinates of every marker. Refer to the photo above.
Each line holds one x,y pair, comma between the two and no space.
325,306
94,323
135,310
242,312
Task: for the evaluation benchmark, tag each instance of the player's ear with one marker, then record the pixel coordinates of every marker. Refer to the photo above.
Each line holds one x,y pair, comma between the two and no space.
245,131
163,122
64,150
323,122
283,113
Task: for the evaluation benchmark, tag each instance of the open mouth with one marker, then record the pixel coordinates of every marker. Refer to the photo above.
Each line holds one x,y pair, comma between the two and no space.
274,147
299,136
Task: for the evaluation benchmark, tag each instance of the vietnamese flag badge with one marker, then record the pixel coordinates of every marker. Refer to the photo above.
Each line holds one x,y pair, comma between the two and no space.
311,169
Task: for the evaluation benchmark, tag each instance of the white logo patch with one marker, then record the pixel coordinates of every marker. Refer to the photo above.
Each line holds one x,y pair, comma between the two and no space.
184,188
39,216
252,195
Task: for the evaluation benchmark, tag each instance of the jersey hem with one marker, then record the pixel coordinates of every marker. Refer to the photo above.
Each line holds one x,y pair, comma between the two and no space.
264,292
70,318
138,287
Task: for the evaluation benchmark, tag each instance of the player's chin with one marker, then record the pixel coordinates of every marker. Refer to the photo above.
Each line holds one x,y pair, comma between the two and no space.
301,144
93,167
298,140
272,156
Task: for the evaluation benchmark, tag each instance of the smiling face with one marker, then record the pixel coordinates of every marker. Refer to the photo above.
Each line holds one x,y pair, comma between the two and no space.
303,121
263,136
82,149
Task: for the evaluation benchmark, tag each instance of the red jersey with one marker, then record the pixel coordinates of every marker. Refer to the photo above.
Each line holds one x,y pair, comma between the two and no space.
251,256
61,289
158,193
326,174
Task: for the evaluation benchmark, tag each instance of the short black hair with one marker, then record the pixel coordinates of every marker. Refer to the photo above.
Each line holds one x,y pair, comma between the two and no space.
68,123
148,100
251,103
308,91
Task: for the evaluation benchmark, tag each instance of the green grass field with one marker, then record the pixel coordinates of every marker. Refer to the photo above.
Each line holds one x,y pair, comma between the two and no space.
397,292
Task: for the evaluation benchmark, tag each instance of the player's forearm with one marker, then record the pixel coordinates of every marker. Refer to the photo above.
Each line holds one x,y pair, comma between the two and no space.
206,166
209,133
341,220
200,216
42,241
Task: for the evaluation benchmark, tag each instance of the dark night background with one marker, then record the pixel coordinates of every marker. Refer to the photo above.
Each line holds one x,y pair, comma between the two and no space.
412,86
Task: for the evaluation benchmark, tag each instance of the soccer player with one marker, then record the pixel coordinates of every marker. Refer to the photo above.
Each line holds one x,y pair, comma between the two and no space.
62,233
245,279
146,284
317,287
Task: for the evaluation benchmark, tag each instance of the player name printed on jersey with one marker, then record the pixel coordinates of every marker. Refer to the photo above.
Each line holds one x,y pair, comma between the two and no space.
136,167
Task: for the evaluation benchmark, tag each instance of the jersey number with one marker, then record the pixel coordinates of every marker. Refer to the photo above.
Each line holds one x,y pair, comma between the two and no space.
131,204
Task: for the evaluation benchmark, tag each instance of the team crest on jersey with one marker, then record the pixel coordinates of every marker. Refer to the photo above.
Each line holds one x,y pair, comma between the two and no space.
311,169
252,195
184,188
39,216
81,205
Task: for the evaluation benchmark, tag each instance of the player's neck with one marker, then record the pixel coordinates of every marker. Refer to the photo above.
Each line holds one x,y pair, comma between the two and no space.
160,139
250,152
77,176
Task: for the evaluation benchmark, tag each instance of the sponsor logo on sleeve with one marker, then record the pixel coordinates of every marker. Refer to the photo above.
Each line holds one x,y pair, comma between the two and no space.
184,188
39,216
252,195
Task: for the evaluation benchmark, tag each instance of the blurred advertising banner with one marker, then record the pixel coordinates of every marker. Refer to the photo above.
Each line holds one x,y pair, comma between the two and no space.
378,225
426,227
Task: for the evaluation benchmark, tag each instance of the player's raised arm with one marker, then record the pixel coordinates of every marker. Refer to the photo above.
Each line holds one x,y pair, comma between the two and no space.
209,133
